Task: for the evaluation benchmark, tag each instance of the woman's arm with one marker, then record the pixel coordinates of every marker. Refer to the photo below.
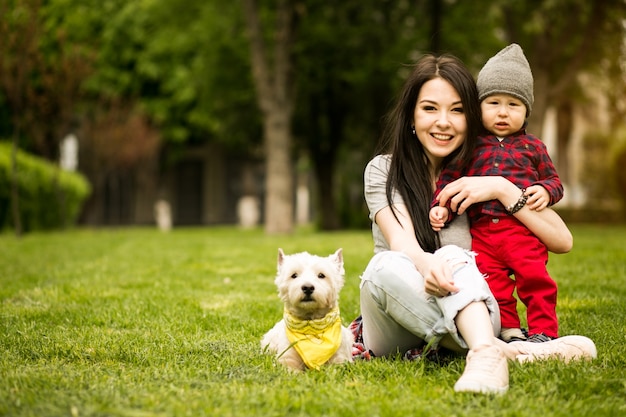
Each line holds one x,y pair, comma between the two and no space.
546,224
549,227
401,238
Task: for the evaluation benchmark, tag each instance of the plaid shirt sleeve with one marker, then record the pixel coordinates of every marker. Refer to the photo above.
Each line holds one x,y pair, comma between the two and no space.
547,175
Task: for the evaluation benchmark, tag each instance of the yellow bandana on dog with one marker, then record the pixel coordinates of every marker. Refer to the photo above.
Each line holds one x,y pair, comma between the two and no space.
315,340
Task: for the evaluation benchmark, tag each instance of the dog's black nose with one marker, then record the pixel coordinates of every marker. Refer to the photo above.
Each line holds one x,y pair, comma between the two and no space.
308,289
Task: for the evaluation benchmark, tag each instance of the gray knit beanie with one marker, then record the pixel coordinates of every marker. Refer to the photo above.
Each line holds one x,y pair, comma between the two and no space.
508,72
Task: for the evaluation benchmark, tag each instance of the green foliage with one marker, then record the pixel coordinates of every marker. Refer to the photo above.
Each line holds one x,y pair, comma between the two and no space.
187,65
134,322
46,54
49,197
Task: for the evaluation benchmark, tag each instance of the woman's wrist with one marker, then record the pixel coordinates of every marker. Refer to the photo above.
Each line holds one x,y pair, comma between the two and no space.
415,254
510,194
519,204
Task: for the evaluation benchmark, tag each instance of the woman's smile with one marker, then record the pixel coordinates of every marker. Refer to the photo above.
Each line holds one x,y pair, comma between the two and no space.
440,136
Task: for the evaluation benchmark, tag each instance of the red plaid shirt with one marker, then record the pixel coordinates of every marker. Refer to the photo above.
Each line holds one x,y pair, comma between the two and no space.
521,158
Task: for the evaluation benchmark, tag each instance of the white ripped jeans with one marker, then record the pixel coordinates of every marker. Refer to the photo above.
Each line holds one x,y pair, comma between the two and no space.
399,315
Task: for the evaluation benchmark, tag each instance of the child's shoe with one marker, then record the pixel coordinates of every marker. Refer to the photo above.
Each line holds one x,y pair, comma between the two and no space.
539,338
512,334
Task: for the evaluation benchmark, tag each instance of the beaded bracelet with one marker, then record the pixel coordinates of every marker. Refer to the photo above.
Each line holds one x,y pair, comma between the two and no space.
515,207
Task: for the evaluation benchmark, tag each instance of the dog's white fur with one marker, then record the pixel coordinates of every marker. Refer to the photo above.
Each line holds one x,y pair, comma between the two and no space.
322,278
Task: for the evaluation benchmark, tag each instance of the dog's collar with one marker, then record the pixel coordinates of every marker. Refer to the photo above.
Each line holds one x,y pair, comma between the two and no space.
312,326
317,340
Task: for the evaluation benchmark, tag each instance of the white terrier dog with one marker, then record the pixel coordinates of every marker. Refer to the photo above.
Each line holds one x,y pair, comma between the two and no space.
310,333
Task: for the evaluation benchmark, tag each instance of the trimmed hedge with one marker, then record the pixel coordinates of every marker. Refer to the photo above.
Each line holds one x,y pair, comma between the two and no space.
49,197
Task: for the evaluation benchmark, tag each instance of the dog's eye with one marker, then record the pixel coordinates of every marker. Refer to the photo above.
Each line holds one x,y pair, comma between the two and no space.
294,275
321,275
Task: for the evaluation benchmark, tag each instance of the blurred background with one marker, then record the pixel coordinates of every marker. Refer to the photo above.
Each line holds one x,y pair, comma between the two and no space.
264,114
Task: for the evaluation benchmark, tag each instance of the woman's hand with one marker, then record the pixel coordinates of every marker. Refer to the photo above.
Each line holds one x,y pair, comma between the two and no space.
401,237
437,275
466,191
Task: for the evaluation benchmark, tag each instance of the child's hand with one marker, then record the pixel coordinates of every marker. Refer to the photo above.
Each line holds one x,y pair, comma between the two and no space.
438,217
538,197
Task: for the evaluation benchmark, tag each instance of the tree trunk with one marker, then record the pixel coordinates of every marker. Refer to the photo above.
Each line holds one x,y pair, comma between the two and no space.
436,14
540,106
324,163
555,71
279,205
565,123
15,192
274,96
325,157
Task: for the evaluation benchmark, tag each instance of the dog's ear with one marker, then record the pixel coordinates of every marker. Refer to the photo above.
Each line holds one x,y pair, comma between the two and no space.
281,257
338,255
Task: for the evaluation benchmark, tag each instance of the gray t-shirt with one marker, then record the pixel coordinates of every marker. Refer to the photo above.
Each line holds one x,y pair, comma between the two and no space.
375,183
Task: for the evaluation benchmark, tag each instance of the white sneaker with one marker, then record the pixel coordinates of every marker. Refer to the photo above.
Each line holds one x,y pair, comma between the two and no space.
486,372
566,348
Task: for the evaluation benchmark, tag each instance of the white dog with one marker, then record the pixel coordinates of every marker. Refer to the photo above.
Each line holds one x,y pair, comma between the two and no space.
310,333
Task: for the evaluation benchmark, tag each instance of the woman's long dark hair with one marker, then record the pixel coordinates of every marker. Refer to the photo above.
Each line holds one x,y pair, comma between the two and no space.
410,171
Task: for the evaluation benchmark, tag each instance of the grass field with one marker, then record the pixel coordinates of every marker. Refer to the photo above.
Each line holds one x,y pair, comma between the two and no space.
134,322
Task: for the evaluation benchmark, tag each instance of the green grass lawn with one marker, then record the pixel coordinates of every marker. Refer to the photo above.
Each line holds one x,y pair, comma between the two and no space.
134,322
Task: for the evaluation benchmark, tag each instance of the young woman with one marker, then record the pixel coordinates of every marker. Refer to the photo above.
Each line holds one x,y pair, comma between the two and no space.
422,288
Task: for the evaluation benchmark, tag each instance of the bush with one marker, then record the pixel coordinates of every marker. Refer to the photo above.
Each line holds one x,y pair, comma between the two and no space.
49,197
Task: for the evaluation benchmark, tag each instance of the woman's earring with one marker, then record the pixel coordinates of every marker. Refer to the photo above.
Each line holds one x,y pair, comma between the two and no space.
413,130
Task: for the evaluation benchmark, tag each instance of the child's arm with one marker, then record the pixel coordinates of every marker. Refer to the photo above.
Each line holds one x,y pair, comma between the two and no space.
538,197
549,182
438,217
440,214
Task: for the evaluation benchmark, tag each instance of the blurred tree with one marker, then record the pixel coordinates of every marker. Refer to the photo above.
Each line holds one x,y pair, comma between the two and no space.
562,39
185,64
350,59
17,35
44,62
180,72
467,29
347,56
272,74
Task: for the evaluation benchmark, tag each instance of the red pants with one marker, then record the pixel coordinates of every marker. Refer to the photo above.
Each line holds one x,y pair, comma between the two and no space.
506,247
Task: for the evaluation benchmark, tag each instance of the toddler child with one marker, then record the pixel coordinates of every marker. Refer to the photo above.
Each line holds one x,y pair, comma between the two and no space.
504,245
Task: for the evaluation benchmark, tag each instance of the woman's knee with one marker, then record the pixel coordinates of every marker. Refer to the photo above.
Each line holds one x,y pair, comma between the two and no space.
456,256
